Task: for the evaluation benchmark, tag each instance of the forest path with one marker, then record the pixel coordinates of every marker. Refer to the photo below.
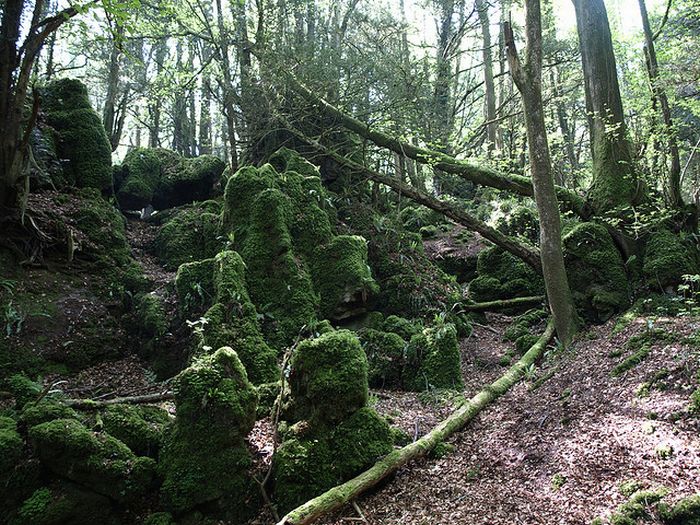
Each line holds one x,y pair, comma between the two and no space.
557,454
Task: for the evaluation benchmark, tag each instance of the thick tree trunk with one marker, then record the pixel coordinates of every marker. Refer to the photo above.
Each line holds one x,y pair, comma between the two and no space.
614,176
342,494
673,185
528,79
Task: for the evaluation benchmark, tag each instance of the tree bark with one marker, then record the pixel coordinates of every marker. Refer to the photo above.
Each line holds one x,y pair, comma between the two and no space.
614,177
673,185
489,85
342,494
528,80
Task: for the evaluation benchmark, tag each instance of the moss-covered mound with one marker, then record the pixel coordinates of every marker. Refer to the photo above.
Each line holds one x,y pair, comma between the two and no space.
685,512
308,465
96,460
298,269
503,276
328,377
667,258
433,360
194,284
79,137
164,179
204,457
190,234
521,222
384,352
596,272
64,502
139,427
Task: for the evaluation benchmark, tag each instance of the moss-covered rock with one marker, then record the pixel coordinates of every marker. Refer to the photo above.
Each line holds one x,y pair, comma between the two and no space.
194,284
80,137
190,234
503,276
666,259
205,457
46,410
139,427
384,352
596,272
11,447
433,360
64,503
165,179
328,377
402,327
308,466
342,276
150,315
685,512
97,460
22,389
521,222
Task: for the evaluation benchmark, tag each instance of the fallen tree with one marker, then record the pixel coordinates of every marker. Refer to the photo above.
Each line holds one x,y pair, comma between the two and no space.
90,404
491,306
476,173
342,494
527,253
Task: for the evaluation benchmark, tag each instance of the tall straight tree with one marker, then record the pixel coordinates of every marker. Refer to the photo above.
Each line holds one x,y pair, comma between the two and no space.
614,176
528,79
489,85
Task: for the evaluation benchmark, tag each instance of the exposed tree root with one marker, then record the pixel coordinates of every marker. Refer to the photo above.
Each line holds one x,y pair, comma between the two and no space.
338,496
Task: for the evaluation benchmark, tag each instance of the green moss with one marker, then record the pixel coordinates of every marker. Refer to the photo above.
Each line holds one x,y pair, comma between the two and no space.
342,276
641,346
525,342
80,137
159,518
139,427
433,360
267,395
151,317
205,457
106,465
415,218
521,222
630,486
614,181
667,259
306,467
11,446
23,389
285,159
596,272
190,234
384,352
64,503
401,327
503,276
328,377
46,410
194,284
442,450
685,512
140,172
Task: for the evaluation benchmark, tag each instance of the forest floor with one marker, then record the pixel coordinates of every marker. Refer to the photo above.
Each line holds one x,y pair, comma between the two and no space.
557,453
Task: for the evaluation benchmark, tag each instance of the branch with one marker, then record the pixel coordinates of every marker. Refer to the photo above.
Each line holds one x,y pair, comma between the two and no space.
348,491
663,21
503,304
89,404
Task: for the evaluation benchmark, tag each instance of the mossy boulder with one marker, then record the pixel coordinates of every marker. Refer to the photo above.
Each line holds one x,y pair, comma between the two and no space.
190,234
97,460
503,276
80,139
328,377
596,271
139,427
164,179
307,466
684,512
433,360
11,446
384,352
204,456
46,410
64,503
402,327
343,278
151,318
667,258
194,283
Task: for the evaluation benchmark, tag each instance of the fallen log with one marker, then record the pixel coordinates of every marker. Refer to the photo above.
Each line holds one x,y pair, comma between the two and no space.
342,494
89,404
502,304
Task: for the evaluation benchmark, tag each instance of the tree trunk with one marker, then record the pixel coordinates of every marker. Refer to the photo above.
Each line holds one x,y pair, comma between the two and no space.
614,177
528,79
342,494
110,107
673,186
489,85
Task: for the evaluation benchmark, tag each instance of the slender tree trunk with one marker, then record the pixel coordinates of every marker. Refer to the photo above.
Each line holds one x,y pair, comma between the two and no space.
673,187
155,102
110,107
564,127
489,85
228,94
528,79
614,176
